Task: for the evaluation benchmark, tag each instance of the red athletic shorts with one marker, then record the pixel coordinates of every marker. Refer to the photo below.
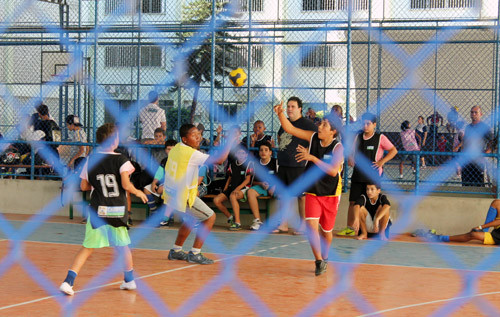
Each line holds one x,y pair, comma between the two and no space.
323,208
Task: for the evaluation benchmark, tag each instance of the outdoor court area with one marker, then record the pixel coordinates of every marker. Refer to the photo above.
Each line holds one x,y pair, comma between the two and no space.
405,277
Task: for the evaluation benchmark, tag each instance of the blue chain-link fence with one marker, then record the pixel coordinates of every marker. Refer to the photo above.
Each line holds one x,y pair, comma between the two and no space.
401,60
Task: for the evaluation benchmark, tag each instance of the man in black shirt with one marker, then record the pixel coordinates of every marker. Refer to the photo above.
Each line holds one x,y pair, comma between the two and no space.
46,124
289,169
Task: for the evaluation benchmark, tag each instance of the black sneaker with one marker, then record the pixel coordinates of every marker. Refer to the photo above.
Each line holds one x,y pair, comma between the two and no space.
321,266
167,223
177,255
235,227
164,223
198,258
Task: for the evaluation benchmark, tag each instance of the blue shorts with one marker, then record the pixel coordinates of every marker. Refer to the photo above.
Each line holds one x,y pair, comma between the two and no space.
261,191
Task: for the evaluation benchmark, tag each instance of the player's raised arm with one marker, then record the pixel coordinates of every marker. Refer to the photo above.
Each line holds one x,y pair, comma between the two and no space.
288,126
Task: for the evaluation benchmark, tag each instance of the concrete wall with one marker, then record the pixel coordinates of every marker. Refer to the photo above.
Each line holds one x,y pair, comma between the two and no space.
446,214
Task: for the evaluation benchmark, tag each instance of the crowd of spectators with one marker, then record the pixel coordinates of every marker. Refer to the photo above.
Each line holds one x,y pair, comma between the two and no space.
238,181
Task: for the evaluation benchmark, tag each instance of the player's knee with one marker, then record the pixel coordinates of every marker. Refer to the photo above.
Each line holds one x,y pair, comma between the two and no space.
252,193
217,199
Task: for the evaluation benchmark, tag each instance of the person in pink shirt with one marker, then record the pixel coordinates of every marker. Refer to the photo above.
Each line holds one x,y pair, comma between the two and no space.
409,141
368,146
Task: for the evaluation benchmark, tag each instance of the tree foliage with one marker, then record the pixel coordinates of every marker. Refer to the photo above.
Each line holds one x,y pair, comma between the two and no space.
198,63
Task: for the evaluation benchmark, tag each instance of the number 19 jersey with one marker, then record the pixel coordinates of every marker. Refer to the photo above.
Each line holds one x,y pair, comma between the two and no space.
108,198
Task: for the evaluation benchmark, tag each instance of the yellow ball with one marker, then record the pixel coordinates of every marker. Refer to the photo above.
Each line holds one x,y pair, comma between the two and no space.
238,77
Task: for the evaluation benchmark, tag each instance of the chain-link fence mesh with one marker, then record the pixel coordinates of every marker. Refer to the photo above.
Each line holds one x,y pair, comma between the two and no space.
401,60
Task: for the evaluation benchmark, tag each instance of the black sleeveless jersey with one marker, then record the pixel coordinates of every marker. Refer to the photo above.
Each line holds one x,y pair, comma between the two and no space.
238,173
107,191
327,185
368,149
271,166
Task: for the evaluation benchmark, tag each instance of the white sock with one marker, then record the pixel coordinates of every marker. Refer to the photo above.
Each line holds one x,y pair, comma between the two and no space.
177,248
195,251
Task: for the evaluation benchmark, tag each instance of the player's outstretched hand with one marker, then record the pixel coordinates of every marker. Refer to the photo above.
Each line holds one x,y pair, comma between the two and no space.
278,109
142,196
303,154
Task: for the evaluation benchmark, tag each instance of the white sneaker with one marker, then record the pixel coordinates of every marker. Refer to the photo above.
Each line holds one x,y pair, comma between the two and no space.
256,224
128,285
400,176
67,289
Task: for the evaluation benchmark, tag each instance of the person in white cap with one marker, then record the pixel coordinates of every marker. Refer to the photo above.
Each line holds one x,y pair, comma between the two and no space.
77,153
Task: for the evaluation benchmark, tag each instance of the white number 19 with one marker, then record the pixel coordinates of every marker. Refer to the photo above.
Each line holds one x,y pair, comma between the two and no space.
108,181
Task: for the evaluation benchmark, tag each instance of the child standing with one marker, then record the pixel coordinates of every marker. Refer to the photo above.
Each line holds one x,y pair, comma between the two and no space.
181,192
109,179
441,144
323,197
261,187
369,146
238,181
372,211
409,144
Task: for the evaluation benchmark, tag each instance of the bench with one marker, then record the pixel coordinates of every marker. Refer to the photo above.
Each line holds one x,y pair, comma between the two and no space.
266,212
37,168
136,203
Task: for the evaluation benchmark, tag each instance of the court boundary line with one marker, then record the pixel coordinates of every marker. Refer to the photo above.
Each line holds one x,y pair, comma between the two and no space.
253,254
428,303
109,284
242,232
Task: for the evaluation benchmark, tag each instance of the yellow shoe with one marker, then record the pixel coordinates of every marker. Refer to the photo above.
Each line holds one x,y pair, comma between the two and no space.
347,232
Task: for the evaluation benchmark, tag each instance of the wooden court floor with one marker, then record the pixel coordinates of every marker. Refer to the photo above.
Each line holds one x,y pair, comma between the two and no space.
275,278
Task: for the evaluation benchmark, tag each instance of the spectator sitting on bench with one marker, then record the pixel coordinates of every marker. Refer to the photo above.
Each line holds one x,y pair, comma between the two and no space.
157,154
239,178
258,137
261,188
155,189
371,213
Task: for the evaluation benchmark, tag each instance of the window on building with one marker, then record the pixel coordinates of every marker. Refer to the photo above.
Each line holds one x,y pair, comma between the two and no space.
333,5
151,6
126,56
257,5
132,6
317,56
443,4
240,56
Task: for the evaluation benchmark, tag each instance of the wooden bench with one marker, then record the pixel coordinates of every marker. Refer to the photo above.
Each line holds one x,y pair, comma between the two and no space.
136,203
266,212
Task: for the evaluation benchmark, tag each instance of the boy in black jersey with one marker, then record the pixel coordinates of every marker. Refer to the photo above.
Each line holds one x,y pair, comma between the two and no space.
323,196
261,187
239,178
372,212
107,174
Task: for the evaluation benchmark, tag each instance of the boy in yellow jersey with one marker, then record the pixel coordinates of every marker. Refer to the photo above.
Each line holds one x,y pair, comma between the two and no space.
181,192
322,197
477,233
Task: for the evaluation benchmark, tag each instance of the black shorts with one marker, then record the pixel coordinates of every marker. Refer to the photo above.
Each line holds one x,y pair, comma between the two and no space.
228,191
288,175
357,189
495,234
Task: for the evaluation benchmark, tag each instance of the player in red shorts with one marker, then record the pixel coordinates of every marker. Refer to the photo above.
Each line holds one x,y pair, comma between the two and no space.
323,197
